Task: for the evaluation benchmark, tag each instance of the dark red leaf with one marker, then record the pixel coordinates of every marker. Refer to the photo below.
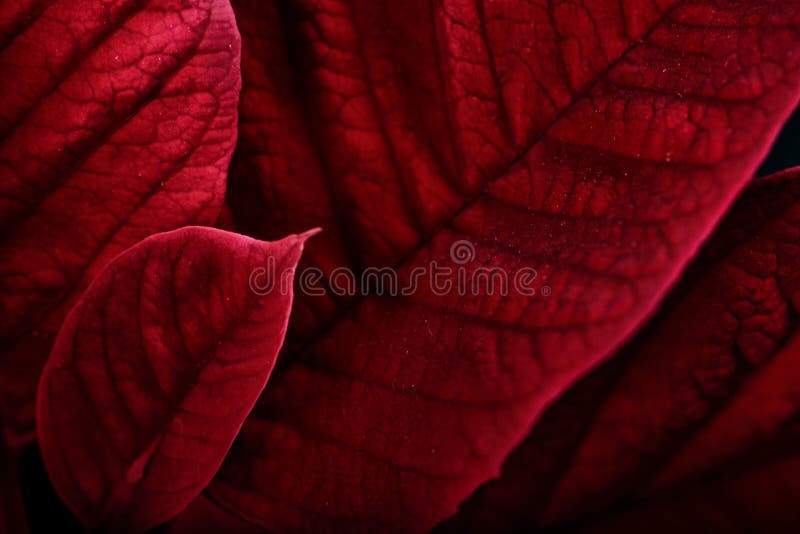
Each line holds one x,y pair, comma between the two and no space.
117,121
710,391
155,369
754,482
597,142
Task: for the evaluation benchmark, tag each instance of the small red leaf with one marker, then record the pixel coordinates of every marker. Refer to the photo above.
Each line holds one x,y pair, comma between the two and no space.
598,143
117,121
155,369
695,419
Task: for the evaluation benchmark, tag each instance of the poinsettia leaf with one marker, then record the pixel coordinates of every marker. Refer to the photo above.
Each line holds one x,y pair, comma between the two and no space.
597,143
752,486
702,394
155,369
118,120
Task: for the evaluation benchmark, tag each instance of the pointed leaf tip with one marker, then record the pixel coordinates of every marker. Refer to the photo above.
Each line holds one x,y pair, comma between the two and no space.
154,371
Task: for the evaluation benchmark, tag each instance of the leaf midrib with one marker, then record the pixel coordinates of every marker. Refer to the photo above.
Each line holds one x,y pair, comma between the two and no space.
469,202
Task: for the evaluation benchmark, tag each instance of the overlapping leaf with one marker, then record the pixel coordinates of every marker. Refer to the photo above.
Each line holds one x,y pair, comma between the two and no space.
708,392
155,369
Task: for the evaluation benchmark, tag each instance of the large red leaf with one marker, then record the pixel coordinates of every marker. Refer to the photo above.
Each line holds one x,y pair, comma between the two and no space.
709,391
397,114
155,369
118,120
597,142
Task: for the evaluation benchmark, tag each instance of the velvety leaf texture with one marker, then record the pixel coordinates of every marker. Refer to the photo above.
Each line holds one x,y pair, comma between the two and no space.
154,371
597,142
118,120
693,412
642,375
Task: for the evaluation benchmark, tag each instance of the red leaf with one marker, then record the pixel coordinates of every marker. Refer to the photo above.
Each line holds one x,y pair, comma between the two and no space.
753,485
598,143
709,393
117,121
155,369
